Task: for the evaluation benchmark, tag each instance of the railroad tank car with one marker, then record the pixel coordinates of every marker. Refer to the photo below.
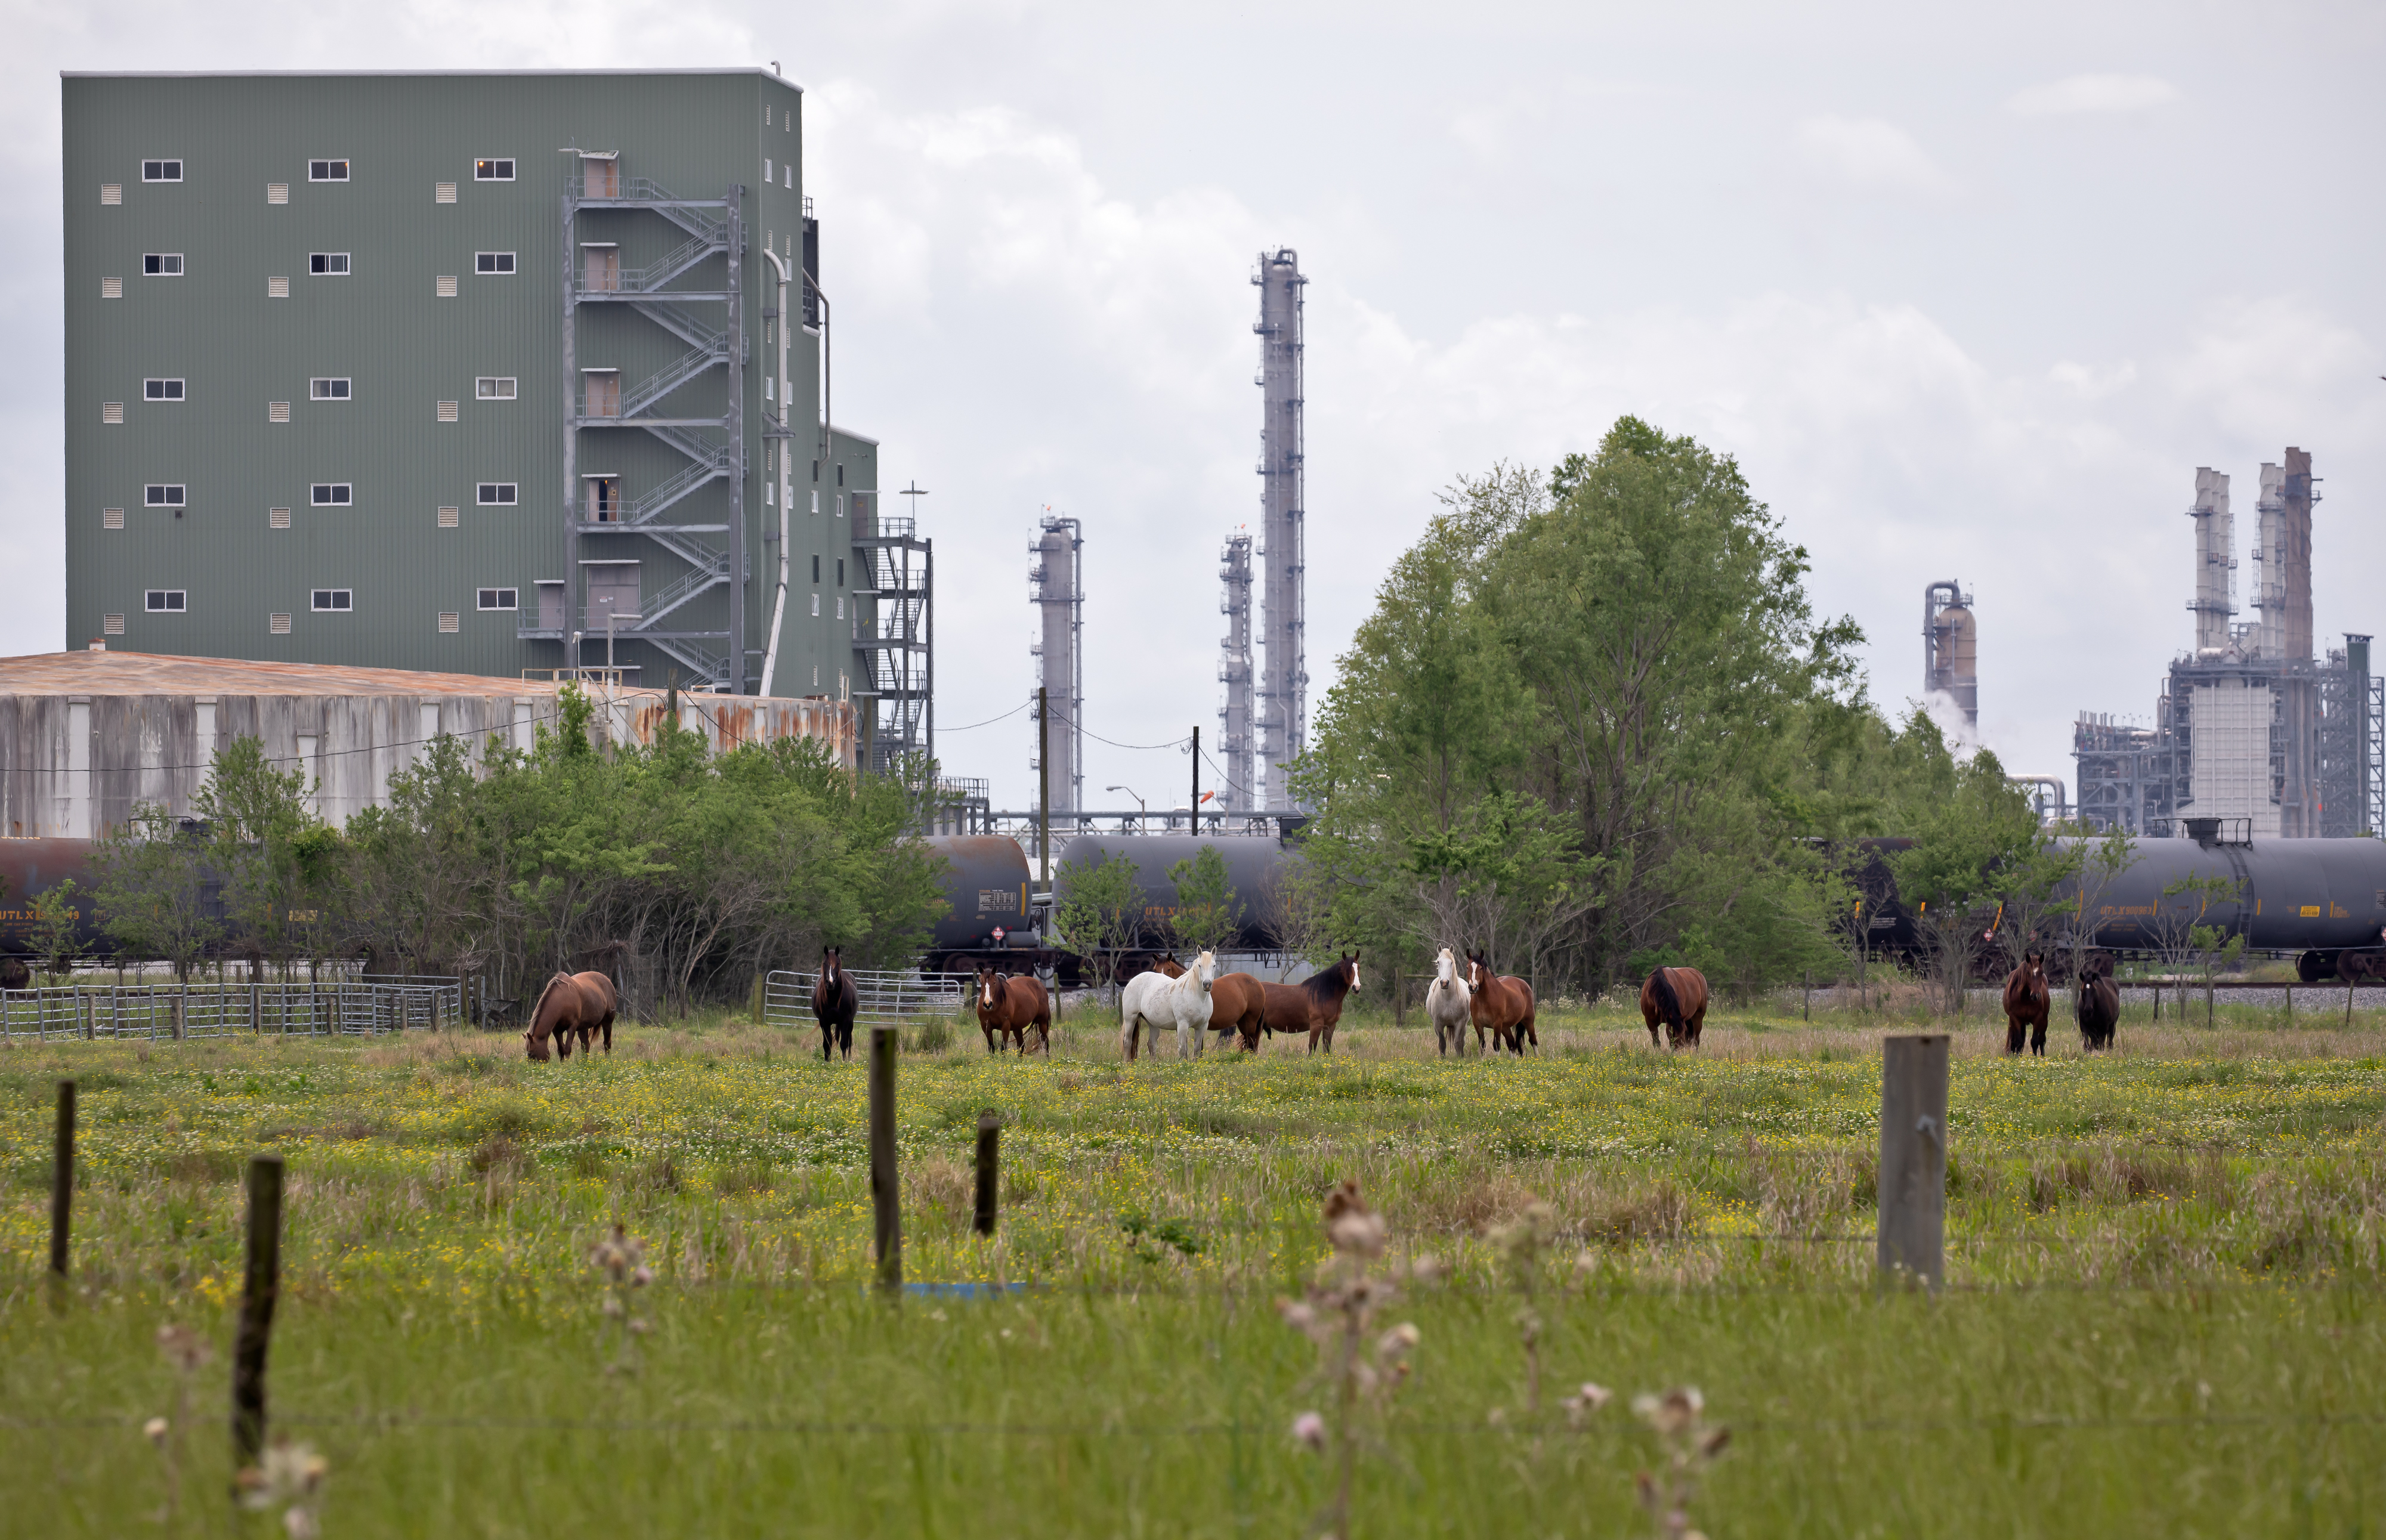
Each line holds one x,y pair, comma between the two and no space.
2311,897
986,887
1254,865
30,867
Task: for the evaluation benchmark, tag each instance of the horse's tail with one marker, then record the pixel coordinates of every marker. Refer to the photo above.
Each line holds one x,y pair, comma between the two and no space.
1669,1009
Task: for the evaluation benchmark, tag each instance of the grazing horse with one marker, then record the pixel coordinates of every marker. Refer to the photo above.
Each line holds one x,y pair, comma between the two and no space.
1007,1004
1499,1004
2098,1005
836,1002
1238,1004
581,1003
1449,1005
2027,1002
1153,1000
1674,998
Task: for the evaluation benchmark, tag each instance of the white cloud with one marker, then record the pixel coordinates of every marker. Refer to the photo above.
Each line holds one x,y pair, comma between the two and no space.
2079,94
1869,152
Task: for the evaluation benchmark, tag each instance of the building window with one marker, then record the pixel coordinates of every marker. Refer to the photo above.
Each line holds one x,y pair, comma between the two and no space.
766,169
161,264
499,495
166,601
277,288
815,569
327,171
443,287
112,288
278,623
443,192
277,411
449,411
332,495
493,171
500,598
791,178
112,625
451,518
277,519
164,495
161,170
339,600
450,621
161,390
111,412
494,262
495,387
815,607
277,191
840,571
328,264
328,389
111,519
111,195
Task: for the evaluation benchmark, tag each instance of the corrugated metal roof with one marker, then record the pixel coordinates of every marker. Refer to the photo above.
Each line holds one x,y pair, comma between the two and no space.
147,674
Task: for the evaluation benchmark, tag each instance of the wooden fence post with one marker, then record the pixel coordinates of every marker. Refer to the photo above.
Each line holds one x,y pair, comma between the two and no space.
989,1171
1912,1172
886,1193
1806,997
2291,1006
256,1300
62,1181
1400,999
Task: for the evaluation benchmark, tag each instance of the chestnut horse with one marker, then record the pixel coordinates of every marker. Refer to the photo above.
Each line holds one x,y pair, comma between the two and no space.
2027,1002
1238,1004
1501,1005
836,1002
582,1003
1007,1004
1674,998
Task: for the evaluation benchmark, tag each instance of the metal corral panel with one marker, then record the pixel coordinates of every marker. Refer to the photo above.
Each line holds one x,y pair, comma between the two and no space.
86,737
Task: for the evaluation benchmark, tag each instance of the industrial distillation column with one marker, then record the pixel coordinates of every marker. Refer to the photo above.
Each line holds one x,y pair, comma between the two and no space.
1951,649
1284,680
1057,589
1235,718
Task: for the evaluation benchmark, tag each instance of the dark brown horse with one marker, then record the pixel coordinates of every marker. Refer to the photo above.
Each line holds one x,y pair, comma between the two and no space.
1321,995
836,1002
1674,998
1501,1006
2027,1003
1007,1004
2098,1005
1238,1004
581,1003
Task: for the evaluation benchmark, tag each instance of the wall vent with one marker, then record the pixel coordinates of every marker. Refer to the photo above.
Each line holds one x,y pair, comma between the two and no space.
112,625
277,411
112,411
450,622
446,411
277,288
278,624
111,519
112,288
446,286
111,194
443,192
451,517
277,519
277,191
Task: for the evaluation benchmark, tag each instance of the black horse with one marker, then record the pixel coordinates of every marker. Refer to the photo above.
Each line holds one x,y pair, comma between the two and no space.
836,1002
2099,1008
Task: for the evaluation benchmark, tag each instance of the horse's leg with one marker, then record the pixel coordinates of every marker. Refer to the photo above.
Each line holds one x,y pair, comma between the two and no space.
2038,1038
608,1035
2015,1028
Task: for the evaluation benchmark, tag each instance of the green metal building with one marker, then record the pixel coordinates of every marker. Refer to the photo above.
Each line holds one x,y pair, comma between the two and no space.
440,372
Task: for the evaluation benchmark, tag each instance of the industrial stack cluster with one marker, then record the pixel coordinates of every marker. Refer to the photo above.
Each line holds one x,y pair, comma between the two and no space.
2252,729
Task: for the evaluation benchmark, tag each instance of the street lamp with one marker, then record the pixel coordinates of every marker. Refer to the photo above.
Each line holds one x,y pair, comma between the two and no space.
1143,814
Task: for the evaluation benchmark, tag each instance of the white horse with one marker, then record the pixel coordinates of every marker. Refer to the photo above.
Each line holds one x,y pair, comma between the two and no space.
1448,1004
1152,1001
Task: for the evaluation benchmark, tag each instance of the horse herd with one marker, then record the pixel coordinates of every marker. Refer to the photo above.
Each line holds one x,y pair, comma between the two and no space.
1198,1001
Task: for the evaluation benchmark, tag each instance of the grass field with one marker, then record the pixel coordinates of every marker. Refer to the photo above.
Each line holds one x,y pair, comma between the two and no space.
2163,1313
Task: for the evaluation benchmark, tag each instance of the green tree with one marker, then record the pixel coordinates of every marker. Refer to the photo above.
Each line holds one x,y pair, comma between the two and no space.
1207,914
153,894
1100,909
1973,832
57,926
259,820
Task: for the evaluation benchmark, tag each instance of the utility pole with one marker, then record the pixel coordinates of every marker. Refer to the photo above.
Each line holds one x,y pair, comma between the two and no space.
1194,823
1044,786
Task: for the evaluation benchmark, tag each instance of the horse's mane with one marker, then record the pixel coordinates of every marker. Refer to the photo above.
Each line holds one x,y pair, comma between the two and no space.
1328,983
1669,1009
541,1004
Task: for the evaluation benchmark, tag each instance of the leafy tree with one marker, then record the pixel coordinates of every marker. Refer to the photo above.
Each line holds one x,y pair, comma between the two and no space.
1100,911
259,820
1207,912
153,891
57,926
1977,841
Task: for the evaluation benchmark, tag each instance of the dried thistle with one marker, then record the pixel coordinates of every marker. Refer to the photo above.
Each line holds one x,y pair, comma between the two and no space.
1364,1369
290,1474
1519,1244
1691,1447
620,1261
185,1353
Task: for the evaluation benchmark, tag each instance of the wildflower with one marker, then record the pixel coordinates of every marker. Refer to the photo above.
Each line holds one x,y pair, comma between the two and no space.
1308,1428
155,1431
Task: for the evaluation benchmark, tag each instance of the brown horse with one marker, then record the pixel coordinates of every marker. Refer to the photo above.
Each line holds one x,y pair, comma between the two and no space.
2027,1001
836,1000
1007,1004
581,1003
1238,1004
1168,968
2099,1010
1674,998
1500,1006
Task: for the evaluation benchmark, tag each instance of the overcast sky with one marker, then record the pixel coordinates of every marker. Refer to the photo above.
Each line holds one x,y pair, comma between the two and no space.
1969,296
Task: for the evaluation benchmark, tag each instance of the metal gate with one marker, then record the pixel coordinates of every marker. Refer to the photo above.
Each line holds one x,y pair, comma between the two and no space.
887,998
169,1013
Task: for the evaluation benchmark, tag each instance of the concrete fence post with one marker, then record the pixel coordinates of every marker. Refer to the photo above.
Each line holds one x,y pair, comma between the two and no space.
1913,1176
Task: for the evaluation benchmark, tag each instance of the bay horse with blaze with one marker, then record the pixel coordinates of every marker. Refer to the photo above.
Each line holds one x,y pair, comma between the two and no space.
1007,1004
1500,1006
2028,1000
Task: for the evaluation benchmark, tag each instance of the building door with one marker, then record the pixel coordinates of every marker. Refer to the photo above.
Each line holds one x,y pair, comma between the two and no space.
550,605
612,589
600,179
600,269
604,499
602,393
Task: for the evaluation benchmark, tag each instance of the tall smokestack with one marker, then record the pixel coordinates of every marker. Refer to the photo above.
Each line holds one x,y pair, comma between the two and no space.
1284,680
1056,586
2295,552
2216,566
